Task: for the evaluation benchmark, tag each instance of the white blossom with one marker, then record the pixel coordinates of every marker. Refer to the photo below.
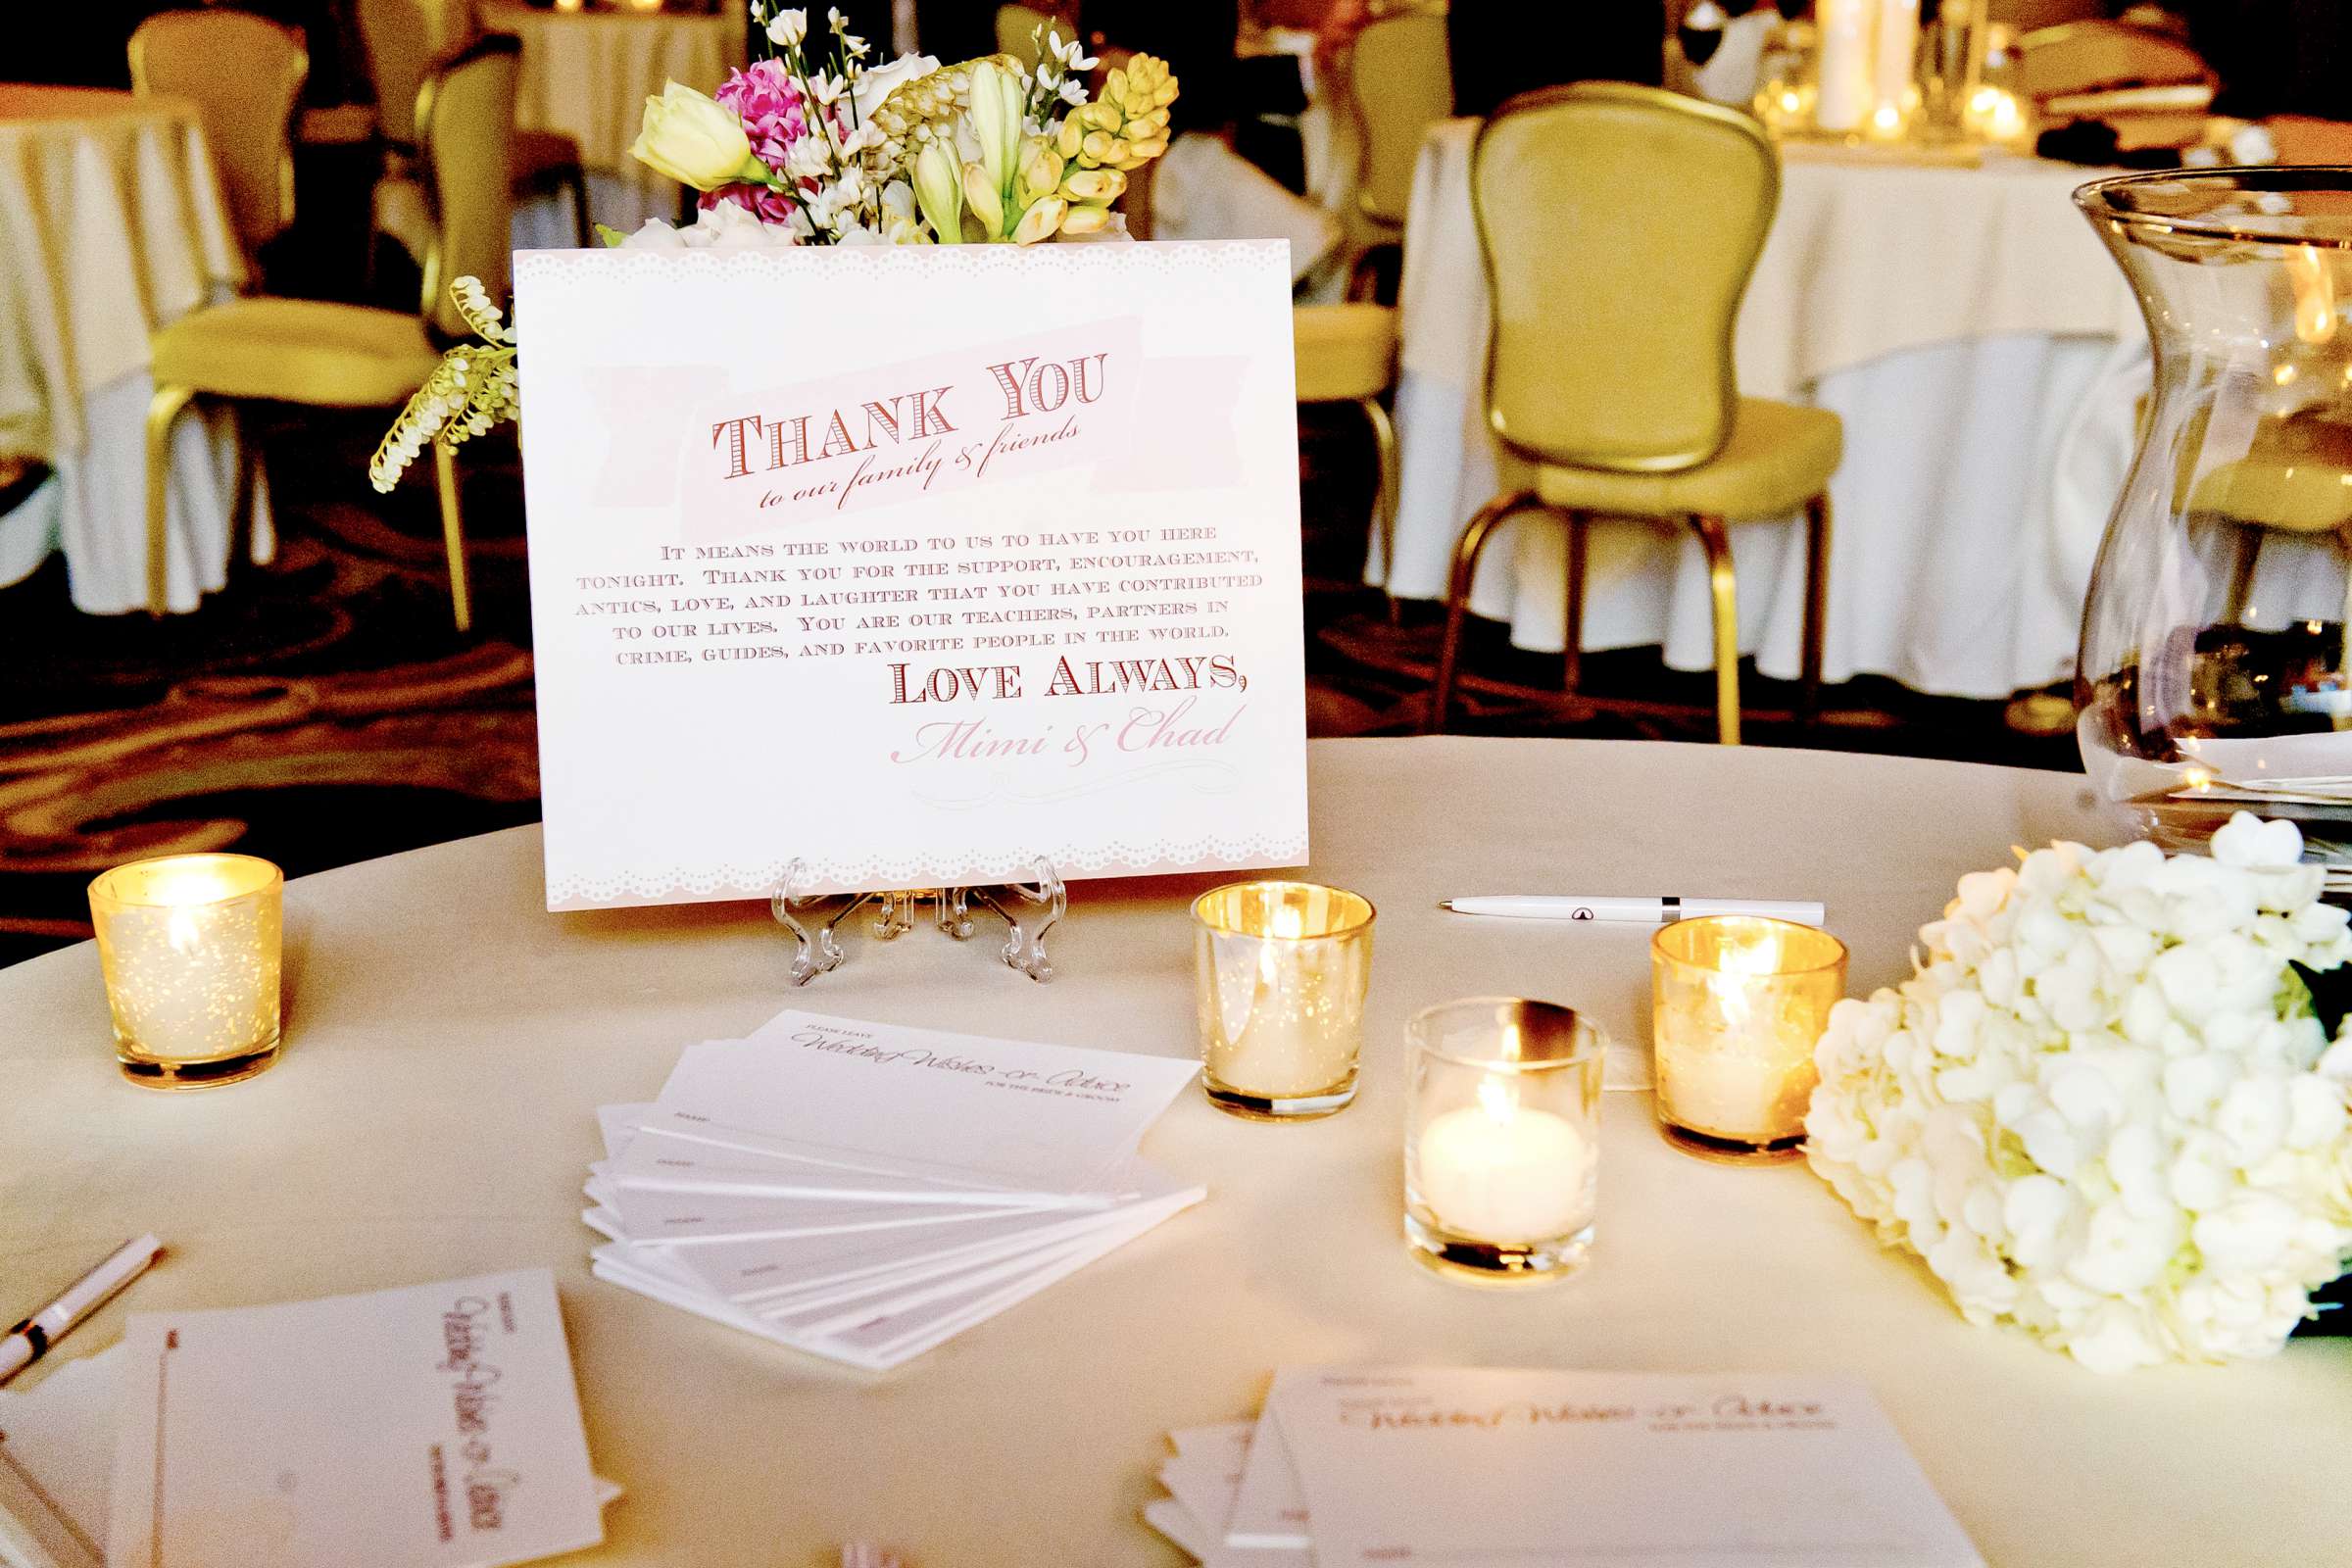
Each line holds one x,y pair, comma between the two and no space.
2101,1110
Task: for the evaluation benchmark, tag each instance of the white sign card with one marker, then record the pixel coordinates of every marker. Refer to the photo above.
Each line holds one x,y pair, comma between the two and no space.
912,563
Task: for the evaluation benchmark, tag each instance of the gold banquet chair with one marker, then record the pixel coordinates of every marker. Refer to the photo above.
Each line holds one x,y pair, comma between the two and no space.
1396,85
1619,227
1347,354
244,73
402,39
327,355
1017,34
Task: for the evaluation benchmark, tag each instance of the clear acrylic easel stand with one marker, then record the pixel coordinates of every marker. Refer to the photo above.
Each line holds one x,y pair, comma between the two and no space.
1029,910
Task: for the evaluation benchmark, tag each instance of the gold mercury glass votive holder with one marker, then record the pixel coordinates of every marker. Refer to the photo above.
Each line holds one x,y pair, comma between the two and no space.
191,947
1280,975
1502,1140
1738,1002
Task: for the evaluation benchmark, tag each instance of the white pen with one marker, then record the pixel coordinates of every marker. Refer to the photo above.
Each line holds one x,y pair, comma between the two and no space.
29,1340
1631,911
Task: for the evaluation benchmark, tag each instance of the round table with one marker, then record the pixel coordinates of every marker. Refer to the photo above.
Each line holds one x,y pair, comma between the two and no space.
588,73
1966,325
448,1040
112,226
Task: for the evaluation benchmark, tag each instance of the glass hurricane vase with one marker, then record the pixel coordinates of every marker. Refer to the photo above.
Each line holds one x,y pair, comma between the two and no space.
2215,670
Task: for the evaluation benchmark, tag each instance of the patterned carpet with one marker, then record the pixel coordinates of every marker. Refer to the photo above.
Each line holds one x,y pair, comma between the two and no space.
323,709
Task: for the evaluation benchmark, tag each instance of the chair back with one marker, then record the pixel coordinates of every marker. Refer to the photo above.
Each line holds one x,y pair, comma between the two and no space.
1399,84
403,39
464,130
1016,32
1619,227
244,73
2094,55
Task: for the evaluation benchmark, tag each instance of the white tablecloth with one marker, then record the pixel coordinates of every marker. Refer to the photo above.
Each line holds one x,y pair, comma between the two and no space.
588,73
111,226
1957,319
448,1040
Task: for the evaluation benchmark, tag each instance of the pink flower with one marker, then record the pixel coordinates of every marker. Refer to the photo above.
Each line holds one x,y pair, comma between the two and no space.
769,102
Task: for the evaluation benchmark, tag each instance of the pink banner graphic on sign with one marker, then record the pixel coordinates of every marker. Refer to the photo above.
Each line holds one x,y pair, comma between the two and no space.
1085,396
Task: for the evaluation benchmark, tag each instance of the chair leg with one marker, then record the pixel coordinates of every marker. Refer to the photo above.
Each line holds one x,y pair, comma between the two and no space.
575,180
1817,608
1723,586
162,411
1572,641
1467,551
452,533
1383,501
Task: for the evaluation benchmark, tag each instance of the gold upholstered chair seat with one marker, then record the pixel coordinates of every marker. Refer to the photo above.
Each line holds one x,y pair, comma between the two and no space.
313,352
1347,354
1343,352
1781,455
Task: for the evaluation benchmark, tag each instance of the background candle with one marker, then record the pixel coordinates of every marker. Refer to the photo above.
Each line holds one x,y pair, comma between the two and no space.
1737,1007
1844,94
1280,970
1896,62
191,947
1503,1149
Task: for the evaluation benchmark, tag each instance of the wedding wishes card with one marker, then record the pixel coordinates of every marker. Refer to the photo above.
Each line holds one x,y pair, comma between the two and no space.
912,564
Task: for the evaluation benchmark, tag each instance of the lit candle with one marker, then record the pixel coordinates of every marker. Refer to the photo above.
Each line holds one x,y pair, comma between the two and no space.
1995,114
1897,63
191,947
1843,97
1502,1144
1280,976
1499,1171
1739,1005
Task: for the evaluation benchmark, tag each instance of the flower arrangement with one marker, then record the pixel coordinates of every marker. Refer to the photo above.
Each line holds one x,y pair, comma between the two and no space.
824,150
809,145
2104,1109
472,389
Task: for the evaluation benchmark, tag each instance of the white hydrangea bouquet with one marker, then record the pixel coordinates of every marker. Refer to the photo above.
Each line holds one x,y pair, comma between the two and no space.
809,145
2105,1109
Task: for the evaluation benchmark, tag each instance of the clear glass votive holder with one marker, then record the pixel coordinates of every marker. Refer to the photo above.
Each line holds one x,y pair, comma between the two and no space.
1502,1138
1280,975
191,946
1738,1002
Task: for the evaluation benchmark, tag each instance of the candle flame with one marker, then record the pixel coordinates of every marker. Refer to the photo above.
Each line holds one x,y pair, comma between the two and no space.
182,931
1735,965
1288,920
1498,1100
2315,295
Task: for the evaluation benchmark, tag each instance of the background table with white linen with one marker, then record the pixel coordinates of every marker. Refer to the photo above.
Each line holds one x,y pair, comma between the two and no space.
1966,324
588,73
448,1040
112,226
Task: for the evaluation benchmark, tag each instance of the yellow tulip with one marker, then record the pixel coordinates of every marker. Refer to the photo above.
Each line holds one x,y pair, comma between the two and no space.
696,141
1086,220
